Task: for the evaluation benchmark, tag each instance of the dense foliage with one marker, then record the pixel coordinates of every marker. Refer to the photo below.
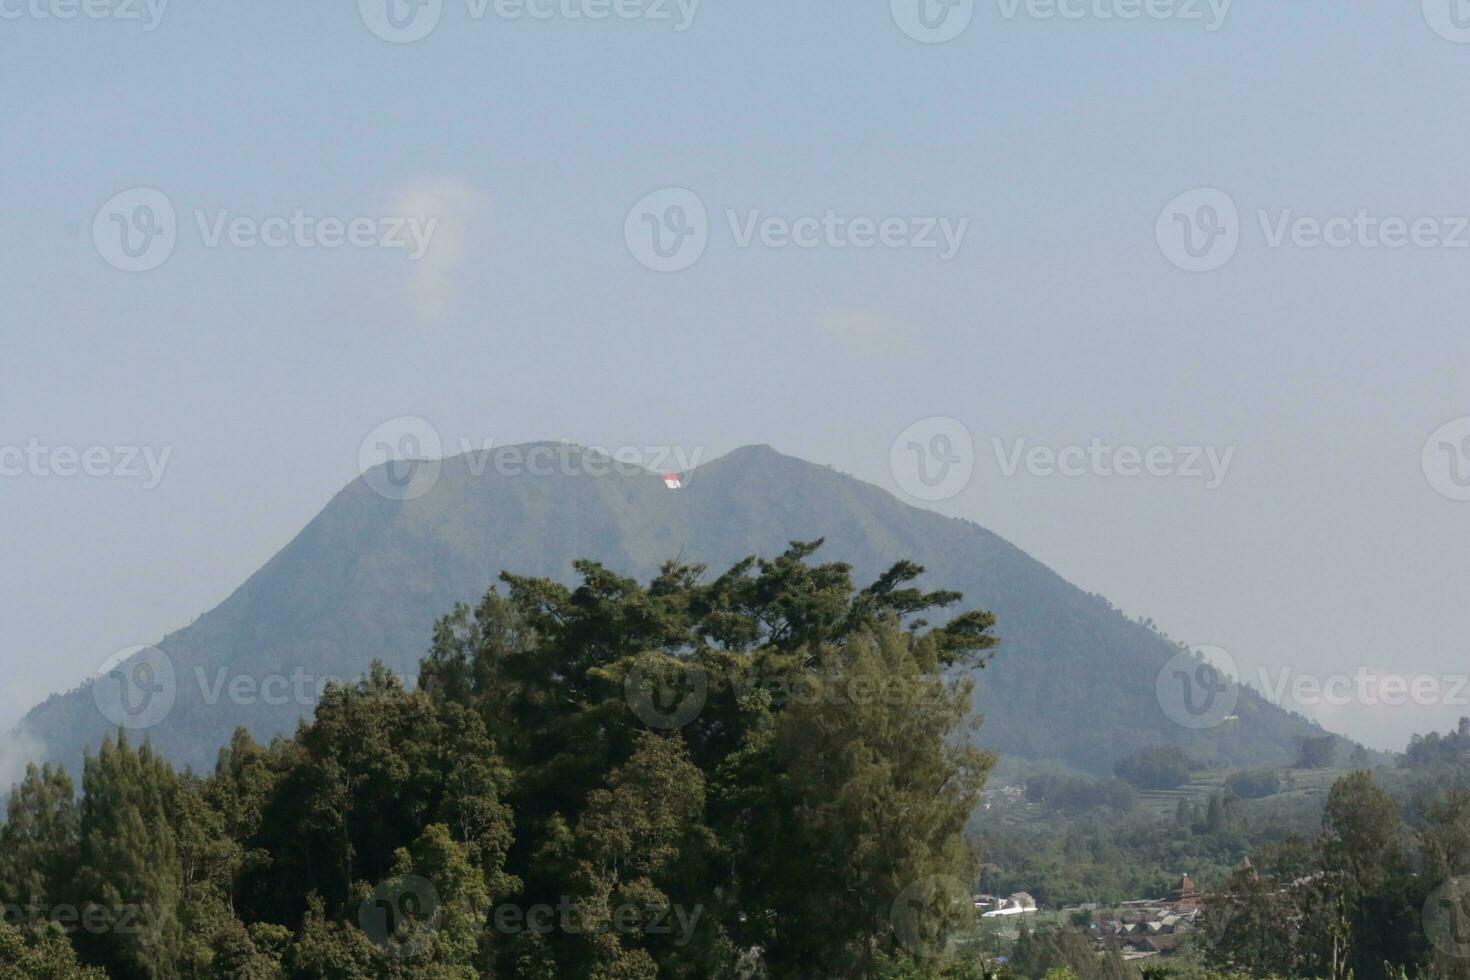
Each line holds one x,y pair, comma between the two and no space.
1318,751
763,773
1109,856
1255,784
1363,884
1434,749
1080,792
1368,897
1155,767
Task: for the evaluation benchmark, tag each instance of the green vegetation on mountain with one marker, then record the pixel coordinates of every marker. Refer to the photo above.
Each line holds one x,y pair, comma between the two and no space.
366,579
1434,750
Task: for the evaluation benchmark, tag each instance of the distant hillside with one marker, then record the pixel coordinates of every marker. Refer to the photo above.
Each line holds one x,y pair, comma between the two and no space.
1072,680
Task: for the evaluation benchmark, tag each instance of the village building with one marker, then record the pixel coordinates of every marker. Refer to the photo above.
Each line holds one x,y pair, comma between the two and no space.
1185,896
1149,927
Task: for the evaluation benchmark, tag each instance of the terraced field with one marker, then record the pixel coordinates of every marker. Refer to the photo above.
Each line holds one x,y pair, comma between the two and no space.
1303,785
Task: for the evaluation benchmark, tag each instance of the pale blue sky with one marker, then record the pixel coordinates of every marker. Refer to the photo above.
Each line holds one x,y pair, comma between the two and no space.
1059,321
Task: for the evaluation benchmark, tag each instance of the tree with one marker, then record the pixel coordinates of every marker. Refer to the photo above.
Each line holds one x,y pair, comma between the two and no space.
880,792
1344,905
41,953
1051,953
1276,916
1364,855
130,878
631,838
1444,837
375,767
1255,784
38,844
755,664
1156,767
1317,752
1363,837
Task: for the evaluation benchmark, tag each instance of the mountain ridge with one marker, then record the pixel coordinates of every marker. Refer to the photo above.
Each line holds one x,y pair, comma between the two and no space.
1073,678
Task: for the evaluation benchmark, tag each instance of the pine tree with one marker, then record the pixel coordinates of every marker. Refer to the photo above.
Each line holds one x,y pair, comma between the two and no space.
130,876
38,844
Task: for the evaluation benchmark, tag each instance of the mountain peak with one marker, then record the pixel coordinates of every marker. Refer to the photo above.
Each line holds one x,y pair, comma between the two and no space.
759,458
755,453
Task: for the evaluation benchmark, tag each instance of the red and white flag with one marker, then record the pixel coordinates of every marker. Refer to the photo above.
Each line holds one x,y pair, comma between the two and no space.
672,481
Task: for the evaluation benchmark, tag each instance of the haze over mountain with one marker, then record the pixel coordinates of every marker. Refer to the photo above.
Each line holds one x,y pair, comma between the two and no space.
1072,680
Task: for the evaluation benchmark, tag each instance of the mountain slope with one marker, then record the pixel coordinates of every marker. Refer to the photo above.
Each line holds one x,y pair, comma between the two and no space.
1073,679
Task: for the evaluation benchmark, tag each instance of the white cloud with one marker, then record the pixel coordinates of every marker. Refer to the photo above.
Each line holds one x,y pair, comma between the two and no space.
868,331
17,748
453,205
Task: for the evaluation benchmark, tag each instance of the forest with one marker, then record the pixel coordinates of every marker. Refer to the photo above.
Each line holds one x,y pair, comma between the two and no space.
700,777
770,772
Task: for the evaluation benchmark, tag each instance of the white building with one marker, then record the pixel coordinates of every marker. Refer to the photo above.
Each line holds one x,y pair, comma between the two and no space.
1018,904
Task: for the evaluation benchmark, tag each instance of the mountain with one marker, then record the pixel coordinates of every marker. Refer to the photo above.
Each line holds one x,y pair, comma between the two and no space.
1073,679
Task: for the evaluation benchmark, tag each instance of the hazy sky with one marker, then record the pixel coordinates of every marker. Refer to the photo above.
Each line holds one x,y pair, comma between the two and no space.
1050,147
